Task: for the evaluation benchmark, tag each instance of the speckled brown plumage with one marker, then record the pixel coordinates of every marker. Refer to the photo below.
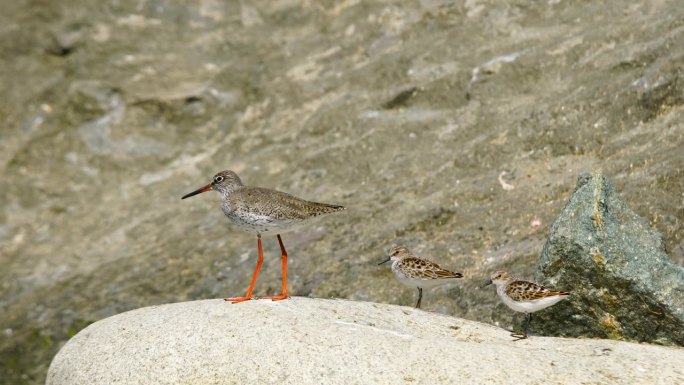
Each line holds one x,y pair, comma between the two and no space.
419,268
524,296
417,272
520,290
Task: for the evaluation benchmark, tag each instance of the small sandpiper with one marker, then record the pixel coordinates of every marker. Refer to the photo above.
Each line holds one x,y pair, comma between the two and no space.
260,210
524,296
414,271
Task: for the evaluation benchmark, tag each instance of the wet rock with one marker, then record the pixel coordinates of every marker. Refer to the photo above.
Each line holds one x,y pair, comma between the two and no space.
89,100
64,42
623,284
313,341
400,100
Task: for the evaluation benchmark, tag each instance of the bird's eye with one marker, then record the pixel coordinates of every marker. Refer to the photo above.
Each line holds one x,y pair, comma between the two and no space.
218,179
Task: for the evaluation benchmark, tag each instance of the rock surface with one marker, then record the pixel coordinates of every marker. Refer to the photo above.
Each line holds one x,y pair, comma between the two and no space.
313,341
455,127
623,284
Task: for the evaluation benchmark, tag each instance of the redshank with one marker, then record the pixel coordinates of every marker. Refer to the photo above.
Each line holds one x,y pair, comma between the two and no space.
260,210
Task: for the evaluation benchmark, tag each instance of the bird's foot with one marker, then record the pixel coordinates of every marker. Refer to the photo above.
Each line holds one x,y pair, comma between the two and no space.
276,297
238,299
518,336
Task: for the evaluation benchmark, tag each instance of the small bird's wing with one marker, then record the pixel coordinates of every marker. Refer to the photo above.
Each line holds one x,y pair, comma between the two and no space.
529,291
416,267
284,205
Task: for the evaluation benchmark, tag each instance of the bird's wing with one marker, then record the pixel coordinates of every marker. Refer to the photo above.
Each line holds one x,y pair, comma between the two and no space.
285,205
528,291
427,269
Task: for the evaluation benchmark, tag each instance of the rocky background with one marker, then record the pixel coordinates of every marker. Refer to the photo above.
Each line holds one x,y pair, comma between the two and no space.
456,128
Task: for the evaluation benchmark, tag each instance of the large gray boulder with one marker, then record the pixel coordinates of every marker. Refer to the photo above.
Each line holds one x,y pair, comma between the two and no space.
623,283
313,341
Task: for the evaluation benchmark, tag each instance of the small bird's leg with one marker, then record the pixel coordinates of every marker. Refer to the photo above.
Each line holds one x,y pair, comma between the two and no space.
523,335
248,296
420,297
528,318
283,253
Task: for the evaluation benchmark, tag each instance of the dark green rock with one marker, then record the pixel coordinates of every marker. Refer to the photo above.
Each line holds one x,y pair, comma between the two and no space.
624,285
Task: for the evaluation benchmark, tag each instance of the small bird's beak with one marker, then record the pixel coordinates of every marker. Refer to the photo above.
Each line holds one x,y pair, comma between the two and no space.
198,191
386,260
487,283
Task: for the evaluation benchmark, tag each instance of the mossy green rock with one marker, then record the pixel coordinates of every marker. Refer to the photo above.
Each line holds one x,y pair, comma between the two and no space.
623,284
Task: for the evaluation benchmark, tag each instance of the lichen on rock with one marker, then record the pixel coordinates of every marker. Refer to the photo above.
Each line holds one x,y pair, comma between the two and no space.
624,285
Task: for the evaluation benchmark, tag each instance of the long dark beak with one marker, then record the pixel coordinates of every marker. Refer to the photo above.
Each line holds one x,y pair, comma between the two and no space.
198,191
487,283
386,260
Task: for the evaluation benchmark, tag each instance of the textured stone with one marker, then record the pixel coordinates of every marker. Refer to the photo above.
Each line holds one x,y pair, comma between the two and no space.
454,127
623,284
312,341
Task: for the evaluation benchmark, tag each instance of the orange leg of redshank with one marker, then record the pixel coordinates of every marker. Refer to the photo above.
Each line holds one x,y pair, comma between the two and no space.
284,259
248,296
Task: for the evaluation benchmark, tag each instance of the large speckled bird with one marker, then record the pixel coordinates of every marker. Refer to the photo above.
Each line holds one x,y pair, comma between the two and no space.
260,210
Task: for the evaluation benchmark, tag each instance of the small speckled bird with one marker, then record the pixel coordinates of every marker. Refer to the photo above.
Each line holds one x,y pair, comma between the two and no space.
524,296
414,271
260,210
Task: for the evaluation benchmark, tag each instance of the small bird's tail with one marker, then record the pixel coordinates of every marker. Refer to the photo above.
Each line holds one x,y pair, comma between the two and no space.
447,274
